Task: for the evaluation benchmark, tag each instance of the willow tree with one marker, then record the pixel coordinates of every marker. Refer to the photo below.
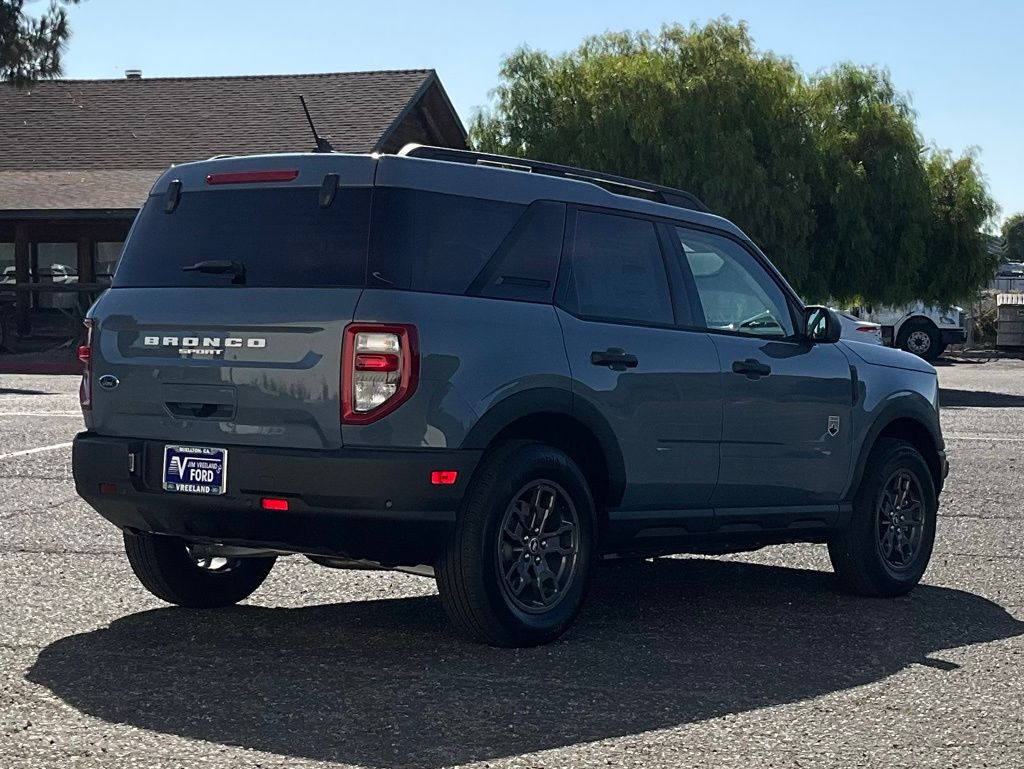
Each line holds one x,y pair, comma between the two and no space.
697,108
827,173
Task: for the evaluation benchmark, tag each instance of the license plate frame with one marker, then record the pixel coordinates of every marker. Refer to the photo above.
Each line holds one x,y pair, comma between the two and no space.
210,461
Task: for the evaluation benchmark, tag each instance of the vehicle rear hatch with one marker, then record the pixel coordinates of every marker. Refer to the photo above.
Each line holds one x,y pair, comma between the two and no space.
225,320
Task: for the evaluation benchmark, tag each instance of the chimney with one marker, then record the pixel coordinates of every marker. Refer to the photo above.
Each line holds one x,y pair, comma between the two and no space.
133,74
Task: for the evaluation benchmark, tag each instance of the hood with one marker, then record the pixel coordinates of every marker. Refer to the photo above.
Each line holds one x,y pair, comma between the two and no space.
877,355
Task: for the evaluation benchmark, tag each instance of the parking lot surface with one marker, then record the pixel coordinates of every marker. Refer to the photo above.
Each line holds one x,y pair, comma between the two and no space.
747,661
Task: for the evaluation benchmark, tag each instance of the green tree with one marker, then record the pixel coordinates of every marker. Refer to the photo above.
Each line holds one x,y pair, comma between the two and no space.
1013,232
31,47
827,173
697,108
958,261
871,195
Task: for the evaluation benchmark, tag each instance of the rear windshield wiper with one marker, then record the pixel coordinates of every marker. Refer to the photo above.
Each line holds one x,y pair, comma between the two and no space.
219,267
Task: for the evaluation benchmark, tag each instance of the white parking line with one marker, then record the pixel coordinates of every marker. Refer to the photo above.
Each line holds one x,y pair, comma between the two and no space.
36,450
1002,438
40,413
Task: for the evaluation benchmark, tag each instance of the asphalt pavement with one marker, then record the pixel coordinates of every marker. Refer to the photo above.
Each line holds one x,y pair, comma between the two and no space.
747,661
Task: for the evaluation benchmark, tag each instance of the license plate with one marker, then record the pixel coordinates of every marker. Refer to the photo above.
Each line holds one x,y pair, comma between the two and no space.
195,469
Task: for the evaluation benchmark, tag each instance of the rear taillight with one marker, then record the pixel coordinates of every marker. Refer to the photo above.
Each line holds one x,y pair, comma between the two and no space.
253,177
867,328
379,370
85,355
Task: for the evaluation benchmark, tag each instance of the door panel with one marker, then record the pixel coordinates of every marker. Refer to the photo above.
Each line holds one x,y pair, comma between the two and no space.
666,411
777,448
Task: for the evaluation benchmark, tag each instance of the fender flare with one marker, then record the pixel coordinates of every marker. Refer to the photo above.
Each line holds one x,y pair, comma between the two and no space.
907,405
552,400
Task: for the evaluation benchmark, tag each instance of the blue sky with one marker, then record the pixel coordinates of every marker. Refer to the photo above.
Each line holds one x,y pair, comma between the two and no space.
960,62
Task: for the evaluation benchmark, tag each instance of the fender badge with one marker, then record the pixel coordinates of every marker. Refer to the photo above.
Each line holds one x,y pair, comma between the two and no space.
108,381
833,426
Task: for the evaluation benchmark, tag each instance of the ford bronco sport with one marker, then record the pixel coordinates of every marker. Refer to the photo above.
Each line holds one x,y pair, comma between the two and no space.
492,370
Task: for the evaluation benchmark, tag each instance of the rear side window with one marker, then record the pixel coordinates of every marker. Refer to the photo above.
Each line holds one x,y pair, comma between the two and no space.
617,271
525,265
280,235
428,241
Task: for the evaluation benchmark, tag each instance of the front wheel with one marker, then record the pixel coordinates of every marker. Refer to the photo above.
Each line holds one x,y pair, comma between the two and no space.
519,562
885,548
166,568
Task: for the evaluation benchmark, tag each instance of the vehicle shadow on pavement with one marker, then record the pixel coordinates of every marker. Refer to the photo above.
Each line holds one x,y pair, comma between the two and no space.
978,398
386,683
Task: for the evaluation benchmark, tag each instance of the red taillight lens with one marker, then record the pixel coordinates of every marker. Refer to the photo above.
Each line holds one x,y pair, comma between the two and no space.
867,328
444,477
85,355
385,362
273,503
252,177
379,370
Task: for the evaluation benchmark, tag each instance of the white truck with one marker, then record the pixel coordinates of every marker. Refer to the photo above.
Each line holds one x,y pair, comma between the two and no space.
925,330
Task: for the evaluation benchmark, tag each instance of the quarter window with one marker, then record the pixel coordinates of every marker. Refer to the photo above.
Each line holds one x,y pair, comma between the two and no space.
737,293
617,272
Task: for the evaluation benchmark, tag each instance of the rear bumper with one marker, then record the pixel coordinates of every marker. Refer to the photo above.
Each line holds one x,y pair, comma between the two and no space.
953,336
360,503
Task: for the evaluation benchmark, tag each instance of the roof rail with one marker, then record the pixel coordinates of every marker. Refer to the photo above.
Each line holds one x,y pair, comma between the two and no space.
668,195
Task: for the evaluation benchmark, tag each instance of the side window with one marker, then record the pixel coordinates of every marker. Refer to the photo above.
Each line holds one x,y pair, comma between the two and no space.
616,271
429,241
737,293
526,264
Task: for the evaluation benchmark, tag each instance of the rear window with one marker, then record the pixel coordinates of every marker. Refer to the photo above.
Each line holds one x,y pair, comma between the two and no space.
280,235
429,241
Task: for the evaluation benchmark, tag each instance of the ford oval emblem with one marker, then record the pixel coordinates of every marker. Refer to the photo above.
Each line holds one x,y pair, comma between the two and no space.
109,381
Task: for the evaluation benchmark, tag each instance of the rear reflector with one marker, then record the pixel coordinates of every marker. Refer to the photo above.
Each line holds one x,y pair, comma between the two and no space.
253,177
376,362
272,503
108,488
444,477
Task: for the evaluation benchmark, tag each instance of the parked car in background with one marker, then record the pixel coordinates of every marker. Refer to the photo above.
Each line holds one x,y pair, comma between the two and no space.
857,330
925,330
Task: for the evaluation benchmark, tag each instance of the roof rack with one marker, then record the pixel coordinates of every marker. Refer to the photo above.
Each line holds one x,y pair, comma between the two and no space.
668,195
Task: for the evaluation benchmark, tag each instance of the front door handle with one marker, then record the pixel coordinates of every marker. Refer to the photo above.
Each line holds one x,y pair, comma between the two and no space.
614,358
752,368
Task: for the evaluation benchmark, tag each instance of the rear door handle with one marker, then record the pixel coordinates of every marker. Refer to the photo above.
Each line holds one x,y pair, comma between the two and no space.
752,368
614,358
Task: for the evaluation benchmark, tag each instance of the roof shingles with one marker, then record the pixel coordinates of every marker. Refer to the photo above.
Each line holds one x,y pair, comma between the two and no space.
101,143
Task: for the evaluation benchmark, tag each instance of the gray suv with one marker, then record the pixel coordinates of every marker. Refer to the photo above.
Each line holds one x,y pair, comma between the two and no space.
490,370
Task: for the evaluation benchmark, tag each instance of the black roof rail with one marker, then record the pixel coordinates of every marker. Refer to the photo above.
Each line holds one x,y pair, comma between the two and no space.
668,195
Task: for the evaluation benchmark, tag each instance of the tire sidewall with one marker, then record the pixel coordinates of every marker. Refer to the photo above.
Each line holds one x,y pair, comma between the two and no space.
529,463
895,457
934,340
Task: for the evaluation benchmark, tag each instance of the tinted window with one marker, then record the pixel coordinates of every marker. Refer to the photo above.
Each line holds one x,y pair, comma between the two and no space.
737,293
282,237
526,264
428,241
617,271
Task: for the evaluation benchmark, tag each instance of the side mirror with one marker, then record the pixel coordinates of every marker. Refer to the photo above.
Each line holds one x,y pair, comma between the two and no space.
822,325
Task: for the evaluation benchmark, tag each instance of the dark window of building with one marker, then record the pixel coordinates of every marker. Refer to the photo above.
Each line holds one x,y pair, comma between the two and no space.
105,260
6,263
55,268
280,235
429,241
617,271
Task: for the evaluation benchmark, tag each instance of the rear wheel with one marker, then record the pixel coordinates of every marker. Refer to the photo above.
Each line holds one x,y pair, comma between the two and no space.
922,338
517,567
166,568
888,542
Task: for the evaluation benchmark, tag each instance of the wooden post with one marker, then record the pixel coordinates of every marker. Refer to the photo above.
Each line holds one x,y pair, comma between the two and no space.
86,265
21,276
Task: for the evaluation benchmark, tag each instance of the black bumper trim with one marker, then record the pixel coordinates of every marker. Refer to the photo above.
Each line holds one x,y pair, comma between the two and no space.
361,503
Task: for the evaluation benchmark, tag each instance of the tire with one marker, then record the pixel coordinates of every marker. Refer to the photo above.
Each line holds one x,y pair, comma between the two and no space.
165,568
506,591
921,338
858,553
